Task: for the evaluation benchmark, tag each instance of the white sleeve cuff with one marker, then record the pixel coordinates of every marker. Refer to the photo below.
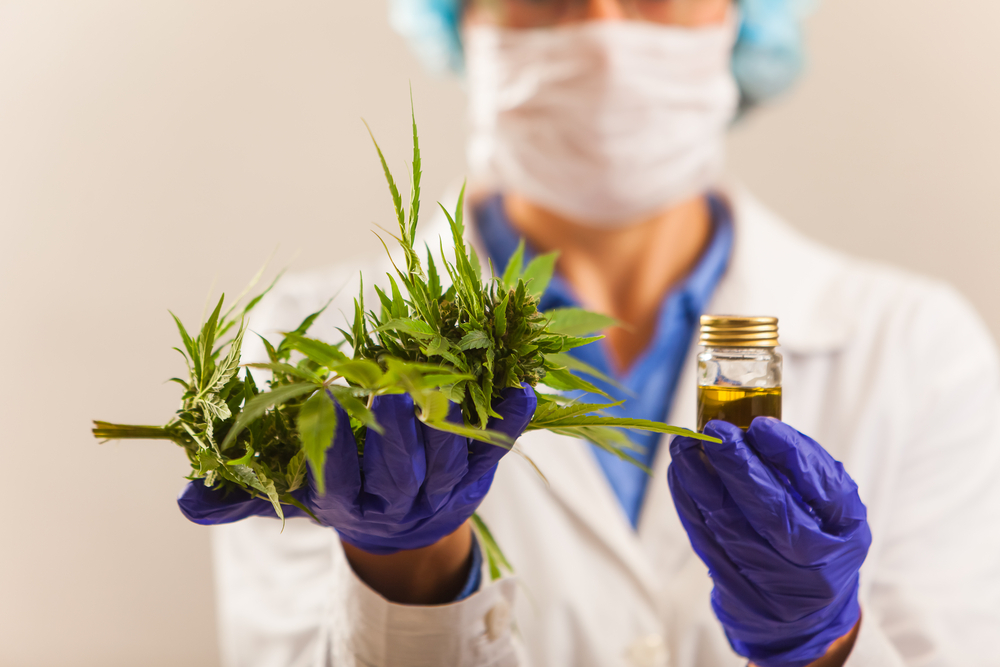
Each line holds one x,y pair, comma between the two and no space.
367,630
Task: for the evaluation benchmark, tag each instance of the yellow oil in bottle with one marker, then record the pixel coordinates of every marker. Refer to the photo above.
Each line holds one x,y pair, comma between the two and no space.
737,405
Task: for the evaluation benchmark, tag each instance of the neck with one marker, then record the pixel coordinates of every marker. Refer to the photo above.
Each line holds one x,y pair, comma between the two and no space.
624,272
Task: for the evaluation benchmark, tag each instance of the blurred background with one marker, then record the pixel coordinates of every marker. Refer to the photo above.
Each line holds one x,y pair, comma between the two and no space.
150,151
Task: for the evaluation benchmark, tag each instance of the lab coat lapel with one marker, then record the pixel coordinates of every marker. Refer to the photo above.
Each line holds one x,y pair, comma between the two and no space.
577,482
660,532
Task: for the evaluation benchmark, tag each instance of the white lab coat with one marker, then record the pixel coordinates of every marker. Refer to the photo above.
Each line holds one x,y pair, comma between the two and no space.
893,373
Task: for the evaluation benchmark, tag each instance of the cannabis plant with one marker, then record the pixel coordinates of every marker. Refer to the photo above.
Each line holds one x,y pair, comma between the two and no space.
451,336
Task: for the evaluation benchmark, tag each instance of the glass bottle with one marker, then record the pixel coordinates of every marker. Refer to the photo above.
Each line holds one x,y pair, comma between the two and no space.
739,371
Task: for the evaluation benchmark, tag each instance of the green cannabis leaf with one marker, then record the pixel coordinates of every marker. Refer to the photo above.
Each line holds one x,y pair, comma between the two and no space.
462,343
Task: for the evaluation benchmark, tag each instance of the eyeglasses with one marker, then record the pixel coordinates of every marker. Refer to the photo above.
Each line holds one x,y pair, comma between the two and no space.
547,13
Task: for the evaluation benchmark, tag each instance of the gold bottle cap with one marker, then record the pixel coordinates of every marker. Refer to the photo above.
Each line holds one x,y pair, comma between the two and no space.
733,331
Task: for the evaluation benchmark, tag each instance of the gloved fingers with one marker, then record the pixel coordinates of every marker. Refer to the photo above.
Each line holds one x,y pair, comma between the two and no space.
302,495
517,407
725,573
765,575
342,472
395,461
762,497
722,515
690,466
447,460
692,470
210,507
817,477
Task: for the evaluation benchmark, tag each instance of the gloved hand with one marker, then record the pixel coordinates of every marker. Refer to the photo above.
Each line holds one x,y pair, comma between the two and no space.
413,485
783,532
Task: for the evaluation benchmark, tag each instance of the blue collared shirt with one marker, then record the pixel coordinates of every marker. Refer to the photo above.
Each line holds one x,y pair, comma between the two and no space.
650,383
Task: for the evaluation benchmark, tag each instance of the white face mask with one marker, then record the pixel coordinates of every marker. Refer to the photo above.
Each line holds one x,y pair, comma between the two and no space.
602,122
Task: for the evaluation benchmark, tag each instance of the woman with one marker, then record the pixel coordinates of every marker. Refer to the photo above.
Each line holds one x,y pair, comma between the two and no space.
597,130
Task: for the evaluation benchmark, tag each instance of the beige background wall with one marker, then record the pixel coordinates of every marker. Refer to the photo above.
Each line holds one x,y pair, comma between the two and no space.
148,149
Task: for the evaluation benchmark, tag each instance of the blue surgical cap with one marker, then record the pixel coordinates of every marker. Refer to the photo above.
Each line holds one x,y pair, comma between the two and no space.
767,58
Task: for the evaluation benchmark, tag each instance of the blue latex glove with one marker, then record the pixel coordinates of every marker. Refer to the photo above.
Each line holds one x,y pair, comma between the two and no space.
413,486
783,532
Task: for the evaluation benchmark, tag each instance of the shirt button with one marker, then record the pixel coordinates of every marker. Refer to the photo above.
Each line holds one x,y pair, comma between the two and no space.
497,620
648,651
